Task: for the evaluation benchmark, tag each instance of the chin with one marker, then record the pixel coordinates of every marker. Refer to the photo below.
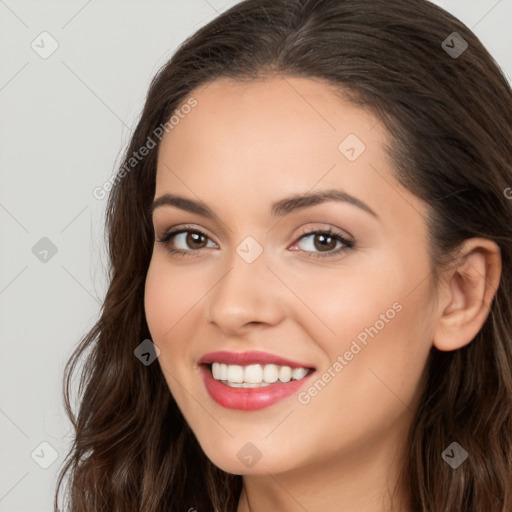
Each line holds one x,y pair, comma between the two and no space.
247,461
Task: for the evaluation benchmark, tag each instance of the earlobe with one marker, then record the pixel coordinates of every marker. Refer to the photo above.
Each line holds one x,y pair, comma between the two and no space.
469,290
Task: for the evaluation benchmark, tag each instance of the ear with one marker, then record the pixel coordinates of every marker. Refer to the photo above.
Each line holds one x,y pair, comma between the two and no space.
467,293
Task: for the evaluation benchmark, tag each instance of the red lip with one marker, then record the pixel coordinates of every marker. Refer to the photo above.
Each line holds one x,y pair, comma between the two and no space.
250,357
249,399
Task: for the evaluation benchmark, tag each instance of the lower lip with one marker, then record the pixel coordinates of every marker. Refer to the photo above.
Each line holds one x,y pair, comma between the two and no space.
249,399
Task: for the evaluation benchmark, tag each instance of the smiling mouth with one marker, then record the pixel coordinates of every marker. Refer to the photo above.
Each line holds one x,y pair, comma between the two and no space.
255,375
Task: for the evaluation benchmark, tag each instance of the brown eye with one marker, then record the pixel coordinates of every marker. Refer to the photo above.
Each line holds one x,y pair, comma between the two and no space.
325,242
322,244
185,241
193,239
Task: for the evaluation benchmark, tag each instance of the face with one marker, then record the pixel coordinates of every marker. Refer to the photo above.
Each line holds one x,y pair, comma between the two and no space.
340,286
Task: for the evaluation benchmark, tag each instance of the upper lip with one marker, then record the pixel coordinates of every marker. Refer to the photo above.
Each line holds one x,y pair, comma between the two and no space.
250,357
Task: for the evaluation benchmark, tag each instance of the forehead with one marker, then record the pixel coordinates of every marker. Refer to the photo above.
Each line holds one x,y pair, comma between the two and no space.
271,117
269,138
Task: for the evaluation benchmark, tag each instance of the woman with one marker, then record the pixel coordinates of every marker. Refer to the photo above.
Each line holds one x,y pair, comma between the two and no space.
340,335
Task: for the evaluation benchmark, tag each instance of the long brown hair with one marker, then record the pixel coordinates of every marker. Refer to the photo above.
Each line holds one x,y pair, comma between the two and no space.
448,109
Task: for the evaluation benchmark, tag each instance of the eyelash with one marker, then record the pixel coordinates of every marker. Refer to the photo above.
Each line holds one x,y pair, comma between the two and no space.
166,239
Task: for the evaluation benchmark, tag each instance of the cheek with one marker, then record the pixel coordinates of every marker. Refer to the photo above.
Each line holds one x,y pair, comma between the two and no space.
165,307
375,383
158,302
168,297
377,319
394,339
342,304
172,303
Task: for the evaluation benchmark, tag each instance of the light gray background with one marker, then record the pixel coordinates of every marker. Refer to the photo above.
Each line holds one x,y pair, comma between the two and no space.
64,123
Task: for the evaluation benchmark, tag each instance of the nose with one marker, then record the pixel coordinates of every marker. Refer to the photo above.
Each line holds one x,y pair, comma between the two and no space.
246,294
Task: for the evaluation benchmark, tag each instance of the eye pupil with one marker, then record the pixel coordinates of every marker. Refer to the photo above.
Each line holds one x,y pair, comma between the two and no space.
193,237
324,245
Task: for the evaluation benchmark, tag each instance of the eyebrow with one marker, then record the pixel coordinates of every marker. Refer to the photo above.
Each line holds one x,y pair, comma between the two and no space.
279,208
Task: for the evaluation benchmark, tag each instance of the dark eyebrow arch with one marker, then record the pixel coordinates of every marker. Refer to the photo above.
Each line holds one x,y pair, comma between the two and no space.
279,209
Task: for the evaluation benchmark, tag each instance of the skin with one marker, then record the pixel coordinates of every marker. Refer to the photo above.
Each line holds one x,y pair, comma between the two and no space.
241,148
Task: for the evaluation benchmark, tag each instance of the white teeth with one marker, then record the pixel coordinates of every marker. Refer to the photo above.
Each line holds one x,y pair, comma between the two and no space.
223,371
254,375
271,373
298,373
245,384
285,374
235,373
